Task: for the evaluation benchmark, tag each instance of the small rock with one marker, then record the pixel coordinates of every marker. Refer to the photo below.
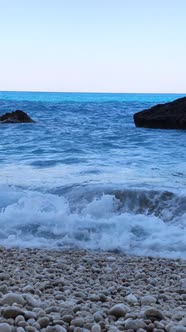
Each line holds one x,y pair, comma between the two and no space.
153,314
43,322
148,300
98,317
119,310
96,328
178,328
19,319
12,298
94,298
28,289
30,329
11,312
67,318
78,322
30,314
4,327
31,301
51,309
131,299
3,288
20,329
135,324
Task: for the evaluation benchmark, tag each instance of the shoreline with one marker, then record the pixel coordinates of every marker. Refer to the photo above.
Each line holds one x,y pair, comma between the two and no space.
85,290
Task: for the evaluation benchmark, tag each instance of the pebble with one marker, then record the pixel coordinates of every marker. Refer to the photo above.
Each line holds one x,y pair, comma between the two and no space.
119,310
153,314
67,318
28,289
4,327
3,288
31,301
178,328
131,299
12,298
96,328
20,329
148,300
43,322
11,312
135,324
69,291
77,322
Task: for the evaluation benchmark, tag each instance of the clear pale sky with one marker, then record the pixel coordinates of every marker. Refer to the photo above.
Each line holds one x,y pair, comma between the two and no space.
93,45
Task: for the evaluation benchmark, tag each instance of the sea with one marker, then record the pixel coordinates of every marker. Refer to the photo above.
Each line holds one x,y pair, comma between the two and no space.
83,176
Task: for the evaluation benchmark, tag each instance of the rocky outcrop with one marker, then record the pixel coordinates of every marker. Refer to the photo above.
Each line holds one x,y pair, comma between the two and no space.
171,115
15,117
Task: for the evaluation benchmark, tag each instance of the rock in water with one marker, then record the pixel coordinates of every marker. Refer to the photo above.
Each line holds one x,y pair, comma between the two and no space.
15,117
163,116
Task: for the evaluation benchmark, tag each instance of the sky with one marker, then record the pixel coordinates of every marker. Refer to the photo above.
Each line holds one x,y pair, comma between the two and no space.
93,45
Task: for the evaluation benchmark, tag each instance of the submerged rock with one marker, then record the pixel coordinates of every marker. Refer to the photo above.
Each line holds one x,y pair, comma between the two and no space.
171,115
15,117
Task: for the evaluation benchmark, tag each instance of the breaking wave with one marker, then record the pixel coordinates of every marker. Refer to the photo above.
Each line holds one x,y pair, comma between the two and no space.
136,222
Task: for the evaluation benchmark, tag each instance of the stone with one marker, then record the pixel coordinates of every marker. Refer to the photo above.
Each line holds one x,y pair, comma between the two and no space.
178,328
19,319
183,322
56,328
43,322
12,298
31,301
3,288
51,309
15,117
67,318
131,299
153,314
11,312
96,328
148,300
77,322
4,327
119,310
30,329
170,115
98,317
135,324
78,329
28,289
30,314
20,329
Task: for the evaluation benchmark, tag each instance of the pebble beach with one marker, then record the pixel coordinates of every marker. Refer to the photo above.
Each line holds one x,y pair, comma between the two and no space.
79,291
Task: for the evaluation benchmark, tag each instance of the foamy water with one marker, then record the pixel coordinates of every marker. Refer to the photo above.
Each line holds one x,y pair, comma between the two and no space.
84,177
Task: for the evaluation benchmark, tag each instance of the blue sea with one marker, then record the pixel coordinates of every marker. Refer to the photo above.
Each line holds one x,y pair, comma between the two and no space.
83,176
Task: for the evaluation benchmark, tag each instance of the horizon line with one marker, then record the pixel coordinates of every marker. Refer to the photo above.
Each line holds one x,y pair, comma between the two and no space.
90,92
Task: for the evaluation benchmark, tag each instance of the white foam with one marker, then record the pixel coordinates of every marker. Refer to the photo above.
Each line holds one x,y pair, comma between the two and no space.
33,219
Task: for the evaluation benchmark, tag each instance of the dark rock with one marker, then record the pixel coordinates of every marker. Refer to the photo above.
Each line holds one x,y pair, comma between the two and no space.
15,117
163,116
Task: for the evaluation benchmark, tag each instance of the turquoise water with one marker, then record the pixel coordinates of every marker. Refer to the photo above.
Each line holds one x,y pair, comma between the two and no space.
58,97
84,176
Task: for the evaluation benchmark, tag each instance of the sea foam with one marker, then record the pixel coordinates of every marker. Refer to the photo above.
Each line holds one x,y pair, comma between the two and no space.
34,219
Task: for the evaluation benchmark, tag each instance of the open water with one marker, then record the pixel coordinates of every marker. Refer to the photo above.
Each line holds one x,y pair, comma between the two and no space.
83,176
